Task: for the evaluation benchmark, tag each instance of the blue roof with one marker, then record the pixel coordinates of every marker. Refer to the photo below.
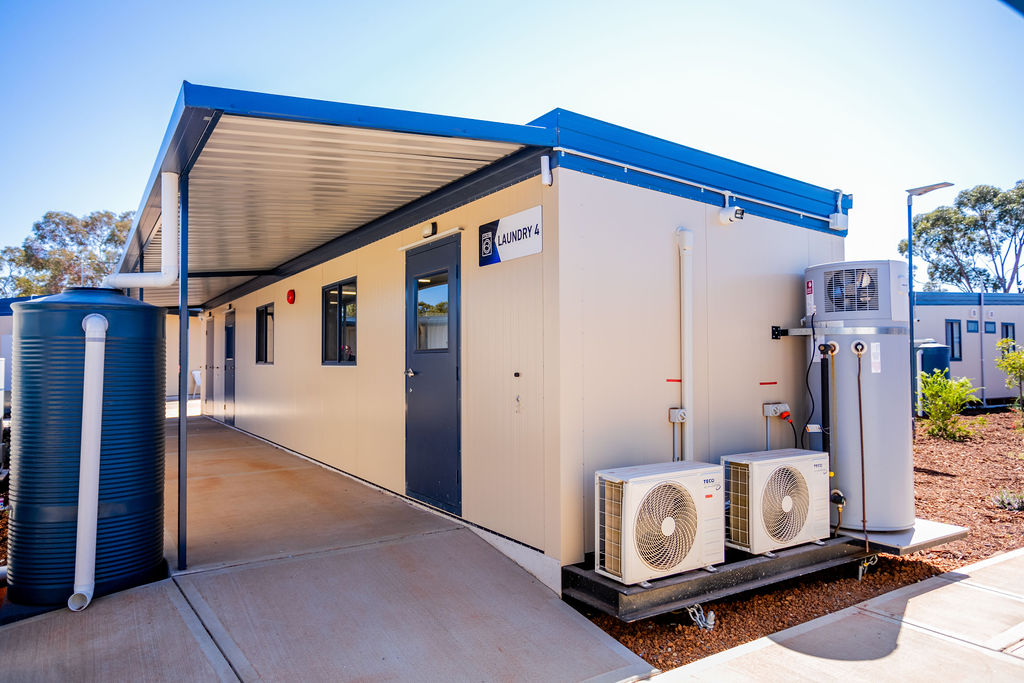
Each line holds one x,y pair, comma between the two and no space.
618,144
199,107
5,304
967,299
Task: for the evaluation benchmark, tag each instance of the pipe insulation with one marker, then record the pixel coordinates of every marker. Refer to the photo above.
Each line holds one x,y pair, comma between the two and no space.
684,241
168,274
95,327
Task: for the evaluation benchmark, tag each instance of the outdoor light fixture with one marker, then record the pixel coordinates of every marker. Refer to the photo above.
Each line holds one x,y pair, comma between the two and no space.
290,296
911,193
430,230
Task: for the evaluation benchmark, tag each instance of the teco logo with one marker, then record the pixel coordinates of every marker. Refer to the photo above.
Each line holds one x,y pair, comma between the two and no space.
486,243
709,481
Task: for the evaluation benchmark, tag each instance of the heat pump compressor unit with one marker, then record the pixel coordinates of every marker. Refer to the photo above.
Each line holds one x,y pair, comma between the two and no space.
657,520
777,499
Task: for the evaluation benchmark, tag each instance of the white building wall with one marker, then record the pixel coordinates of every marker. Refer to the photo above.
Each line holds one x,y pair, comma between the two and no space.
620,321
353,417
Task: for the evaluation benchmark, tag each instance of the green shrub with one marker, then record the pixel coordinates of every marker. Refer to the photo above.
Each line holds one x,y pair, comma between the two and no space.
944,399
1009,501
981,420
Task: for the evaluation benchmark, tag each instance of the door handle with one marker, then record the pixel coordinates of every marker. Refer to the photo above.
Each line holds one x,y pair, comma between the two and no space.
411,373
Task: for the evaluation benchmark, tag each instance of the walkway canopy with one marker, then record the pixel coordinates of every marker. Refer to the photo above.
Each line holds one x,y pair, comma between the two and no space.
272,178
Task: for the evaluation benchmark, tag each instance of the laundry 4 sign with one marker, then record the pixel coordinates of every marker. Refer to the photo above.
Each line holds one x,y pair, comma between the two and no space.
520,234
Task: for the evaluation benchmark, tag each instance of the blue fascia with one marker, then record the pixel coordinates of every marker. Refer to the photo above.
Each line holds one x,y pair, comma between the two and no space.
967,299
622,145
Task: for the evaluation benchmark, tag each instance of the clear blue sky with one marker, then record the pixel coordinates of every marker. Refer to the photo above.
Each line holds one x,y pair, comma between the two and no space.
871,97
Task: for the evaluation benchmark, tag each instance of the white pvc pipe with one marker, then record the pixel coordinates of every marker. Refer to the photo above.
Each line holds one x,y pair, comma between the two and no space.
684,240
95,327
168,274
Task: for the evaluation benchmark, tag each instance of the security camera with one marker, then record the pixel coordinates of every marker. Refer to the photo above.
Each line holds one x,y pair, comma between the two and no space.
730,214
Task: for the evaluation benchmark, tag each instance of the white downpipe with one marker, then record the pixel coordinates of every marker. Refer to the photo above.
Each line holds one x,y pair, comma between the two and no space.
684,240
168,274
95,327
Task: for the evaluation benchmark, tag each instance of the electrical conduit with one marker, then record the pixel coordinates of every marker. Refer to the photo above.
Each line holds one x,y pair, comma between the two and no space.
684,241
95,327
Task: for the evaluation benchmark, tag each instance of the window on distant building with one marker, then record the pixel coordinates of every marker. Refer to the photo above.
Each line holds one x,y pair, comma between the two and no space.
990,327
972,326
953,340
265,334
339,323
1009,331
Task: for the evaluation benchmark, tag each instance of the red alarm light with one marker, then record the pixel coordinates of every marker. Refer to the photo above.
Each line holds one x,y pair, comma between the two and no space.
290,296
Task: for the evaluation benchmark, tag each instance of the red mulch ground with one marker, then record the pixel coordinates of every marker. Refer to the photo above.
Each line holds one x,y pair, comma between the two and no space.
953,482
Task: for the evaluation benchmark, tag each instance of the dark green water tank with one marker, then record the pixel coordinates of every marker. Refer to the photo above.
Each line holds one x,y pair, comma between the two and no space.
46,424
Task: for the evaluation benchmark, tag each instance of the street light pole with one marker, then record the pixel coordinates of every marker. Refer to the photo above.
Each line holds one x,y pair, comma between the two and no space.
911,193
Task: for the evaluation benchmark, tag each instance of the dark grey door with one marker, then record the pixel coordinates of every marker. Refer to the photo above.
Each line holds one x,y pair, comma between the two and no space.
229,368
208,373
432,449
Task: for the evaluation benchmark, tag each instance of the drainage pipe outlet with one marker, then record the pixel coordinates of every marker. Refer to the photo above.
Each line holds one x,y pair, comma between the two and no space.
95,327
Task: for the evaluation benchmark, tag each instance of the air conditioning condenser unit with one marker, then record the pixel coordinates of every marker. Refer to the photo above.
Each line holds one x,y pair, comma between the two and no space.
657,520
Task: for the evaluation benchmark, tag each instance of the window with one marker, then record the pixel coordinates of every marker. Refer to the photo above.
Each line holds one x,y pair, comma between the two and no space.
265,334
432,312
972,326
990,327
953,340
339,323
1009,331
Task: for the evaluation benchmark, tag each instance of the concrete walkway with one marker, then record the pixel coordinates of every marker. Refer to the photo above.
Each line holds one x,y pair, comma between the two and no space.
300,573
963,625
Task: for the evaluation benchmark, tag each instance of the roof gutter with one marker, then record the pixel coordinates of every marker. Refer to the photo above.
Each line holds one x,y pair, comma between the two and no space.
836,221
168,274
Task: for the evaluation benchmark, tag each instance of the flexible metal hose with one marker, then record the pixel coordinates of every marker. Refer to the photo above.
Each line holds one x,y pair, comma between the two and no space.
863,478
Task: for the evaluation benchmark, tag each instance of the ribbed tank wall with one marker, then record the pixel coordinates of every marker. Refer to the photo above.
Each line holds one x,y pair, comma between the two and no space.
46,412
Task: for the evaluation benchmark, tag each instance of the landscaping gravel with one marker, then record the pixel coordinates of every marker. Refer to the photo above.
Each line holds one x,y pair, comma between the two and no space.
953,482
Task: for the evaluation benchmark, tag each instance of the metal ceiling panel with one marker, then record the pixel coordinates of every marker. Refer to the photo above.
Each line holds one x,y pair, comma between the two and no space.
264,191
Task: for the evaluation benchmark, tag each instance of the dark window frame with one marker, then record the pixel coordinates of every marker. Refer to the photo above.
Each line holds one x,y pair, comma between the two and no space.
261,334
340,321
990,327
972,327
954,339
1008,331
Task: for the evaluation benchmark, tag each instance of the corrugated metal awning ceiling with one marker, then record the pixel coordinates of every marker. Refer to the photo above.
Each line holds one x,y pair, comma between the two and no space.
265,191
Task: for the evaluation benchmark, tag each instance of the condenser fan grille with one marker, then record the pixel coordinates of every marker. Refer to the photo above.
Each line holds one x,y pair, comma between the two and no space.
666,526
784,504
851,290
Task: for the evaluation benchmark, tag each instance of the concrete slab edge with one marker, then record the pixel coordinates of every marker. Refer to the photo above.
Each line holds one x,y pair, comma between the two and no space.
264,561
545,569
224,642
206,642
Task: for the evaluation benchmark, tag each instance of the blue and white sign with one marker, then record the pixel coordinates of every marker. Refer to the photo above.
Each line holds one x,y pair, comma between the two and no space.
520,234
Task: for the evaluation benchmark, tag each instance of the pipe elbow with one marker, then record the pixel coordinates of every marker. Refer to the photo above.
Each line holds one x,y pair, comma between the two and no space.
684,239
95,324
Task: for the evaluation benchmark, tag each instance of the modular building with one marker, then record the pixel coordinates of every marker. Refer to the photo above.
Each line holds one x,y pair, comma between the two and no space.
971,325
478,315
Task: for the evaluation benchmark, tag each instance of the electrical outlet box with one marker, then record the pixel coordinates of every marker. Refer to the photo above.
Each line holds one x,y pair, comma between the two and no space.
775,409
677,414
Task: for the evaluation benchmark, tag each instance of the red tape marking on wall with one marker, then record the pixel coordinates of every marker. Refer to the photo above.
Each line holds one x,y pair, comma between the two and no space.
768,384
673,380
